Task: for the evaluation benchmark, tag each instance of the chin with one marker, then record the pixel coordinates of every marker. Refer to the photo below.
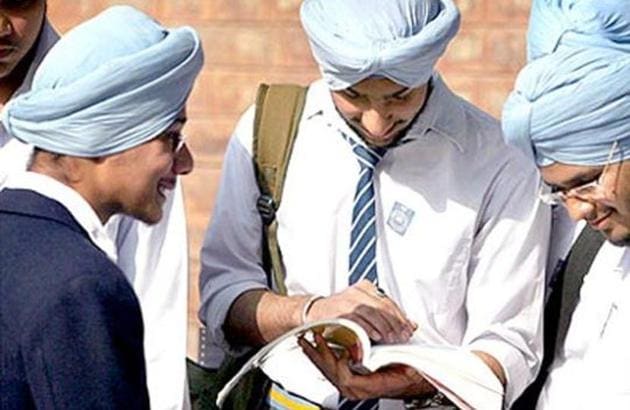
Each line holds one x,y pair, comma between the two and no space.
149,216
10,63
385,142
5,71
618,236
381,143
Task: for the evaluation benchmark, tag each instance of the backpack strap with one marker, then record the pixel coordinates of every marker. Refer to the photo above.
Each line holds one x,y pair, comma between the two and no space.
562,302
278,111
579,263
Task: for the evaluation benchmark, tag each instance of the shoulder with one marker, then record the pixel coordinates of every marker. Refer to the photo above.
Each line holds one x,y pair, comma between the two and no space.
481,135
244,130
479,149
317,99
483,122
45,262
53,242
91,295
476,124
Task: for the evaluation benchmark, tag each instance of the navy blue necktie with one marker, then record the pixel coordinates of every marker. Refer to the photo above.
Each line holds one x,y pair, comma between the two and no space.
362,262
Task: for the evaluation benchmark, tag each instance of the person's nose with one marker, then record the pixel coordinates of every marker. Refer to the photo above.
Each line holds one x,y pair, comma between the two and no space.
579,209
183,163
5,25
377,120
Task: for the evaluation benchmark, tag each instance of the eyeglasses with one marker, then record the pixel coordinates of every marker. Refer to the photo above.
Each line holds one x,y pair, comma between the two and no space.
176,141
589,191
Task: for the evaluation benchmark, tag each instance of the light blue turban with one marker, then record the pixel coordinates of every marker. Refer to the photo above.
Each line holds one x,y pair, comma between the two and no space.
572,100
110,84
397,39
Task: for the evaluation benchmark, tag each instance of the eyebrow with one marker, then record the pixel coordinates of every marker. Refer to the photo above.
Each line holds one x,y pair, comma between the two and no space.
352,92
395,94
578,180
399,92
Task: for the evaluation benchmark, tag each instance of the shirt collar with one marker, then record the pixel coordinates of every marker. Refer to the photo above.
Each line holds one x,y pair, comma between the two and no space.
78,207
442,113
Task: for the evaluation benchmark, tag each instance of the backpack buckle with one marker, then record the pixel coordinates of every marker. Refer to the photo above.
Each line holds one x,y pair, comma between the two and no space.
266,208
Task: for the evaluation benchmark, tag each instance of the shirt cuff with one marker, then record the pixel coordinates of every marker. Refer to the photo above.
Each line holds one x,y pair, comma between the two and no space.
517,373
216,311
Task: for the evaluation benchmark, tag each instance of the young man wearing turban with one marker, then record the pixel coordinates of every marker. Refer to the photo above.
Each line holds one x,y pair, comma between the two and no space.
154,258
444,219
570,114
104,112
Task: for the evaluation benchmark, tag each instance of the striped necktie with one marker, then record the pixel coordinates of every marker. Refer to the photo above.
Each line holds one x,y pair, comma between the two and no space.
362,262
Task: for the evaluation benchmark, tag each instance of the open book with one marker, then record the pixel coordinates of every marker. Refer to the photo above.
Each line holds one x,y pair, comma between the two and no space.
455,371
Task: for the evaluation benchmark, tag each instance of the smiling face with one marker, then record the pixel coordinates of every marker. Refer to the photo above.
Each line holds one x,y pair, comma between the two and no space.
608,212
20,23
379,110
135,182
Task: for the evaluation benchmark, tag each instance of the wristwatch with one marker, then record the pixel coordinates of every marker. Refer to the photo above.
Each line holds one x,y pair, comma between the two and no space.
436,401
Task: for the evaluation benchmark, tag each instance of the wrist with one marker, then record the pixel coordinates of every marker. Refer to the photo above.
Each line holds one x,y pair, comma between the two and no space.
306,307
435,400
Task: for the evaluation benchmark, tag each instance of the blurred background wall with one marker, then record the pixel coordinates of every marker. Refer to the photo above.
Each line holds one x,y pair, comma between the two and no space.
252,41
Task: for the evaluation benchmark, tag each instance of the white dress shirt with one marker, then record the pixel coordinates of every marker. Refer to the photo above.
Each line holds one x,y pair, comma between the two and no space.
593,370
154,259
465,260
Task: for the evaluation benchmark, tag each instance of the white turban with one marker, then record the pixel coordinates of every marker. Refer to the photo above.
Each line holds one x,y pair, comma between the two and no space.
397,39
572,100
110,84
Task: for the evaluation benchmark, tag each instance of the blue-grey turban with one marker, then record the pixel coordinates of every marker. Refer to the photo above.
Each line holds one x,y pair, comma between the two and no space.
111,83
572,100
397,39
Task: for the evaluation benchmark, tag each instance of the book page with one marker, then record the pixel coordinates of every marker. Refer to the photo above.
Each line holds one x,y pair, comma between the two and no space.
458,373
283,354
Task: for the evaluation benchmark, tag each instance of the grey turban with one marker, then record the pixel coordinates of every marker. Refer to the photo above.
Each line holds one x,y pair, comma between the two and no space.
572,100
110,84
397,39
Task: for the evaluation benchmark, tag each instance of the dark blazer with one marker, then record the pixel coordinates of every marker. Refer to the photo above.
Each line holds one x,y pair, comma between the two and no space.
71,332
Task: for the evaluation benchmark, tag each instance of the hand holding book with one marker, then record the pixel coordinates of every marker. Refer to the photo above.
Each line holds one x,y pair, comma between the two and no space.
397,370
345,370
365,304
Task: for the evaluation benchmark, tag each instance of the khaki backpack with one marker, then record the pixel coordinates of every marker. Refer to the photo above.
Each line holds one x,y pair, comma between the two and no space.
278,111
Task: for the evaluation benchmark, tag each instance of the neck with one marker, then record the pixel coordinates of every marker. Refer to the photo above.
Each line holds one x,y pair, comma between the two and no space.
76,173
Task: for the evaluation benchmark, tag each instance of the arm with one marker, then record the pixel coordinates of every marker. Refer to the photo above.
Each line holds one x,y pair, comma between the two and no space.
83,348
493,364
274,315
231,262
235,299
507,267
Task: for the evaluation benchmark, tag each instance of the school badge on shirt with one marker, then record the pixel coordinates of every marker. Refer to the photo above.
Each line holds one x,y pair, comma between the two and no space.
400,218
